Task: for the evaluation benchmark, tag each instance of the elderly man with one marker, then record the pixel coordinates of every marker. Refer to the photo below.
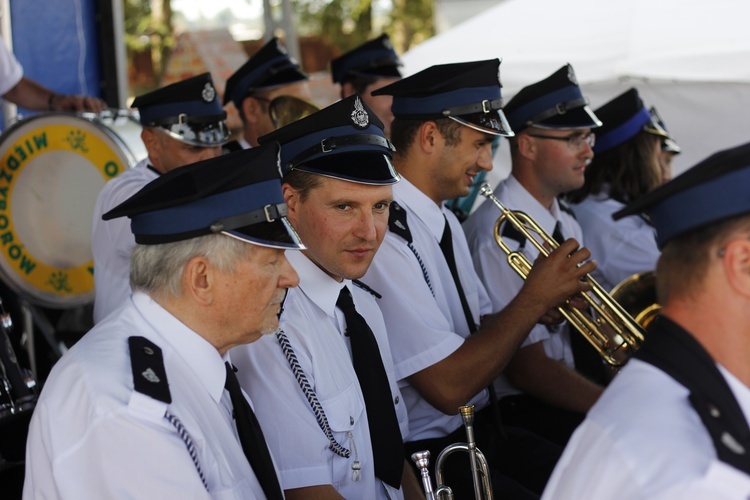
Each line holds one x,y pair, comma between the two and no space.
332,359
182,123
269,84
138,407
446,343
674,422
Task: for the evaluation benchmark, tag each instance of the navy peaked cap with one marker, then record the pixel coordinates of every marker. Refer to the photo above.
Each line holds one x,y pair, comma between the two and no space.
623,118
713,190
373,58
270,67
344,140
468,93
237,194
189,110
555,103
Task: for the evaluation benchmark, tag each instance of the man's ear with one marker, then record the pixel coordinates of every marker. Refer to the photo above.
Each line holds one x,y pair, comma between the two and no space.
251,108
292,200
347,89
429,136
527,146
736,262
198,280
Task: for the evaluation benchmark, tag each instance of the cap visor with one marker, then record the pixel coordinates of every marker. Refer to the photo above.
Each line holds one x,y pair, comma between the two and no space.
276,234
493,123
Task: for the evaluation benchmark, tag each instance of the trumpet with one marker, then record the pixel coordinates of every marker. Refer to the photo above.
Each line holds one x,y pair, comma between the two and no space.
479,469
610,329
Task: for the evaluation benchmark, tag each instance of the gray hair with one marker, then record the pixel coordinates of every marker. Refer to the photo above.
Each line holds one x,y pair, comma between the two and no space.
157,269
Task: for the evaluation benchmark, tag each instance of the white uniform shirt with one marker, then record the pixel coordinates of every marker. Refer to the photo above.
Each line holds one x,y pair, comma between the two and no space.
112,241
500,280
92,436
11,71
314,327
642,439
621,248
424,328
243,142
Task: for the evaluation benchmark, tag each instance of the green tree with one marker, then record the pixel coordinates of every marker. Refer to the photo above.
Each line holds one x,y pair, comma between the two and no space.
348,23
148,28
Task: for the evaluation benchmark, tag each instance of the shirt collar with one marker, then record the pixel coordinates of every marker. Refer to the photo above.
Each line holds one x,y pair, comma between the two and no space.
421,205
547,218
318,286
202,357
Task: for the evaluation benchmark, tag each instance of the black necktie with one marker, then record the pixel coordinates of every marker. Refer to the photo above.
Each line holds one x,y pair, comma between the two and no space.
585,357
446,245
385,434
251,438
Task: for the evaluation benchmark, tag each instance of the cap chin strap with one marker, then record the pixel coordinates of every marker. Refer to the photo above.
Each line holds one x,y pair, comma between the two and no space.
332,143
469,109
559,109
269,213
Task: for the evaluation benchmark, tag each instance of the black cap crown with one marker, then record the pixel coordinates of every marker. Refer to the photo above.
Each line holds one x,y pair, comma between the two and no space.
237,194
468,93
623,118
270,67
713,190
374,58
555,102
344,140
189,110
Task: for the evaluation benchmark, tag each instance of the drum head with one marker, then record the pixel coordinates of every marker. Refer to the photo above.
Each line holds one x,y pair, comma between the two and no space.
52,168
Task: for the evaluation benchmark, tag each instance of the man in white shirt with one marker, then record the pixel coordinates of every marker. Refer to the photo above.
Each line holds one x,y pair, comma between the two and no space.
674,422
182,123
138,407
270,78
339,434
540,389
446,343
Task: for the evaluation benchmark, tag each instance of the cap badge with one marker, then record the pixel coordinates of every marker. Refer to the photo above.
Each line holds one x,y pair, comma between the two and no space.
572,75
359,115
151,376
208,94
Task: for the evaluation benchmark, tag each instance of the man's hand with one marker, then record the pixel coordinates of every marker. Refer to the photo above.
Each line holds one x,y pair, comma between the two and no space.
557,278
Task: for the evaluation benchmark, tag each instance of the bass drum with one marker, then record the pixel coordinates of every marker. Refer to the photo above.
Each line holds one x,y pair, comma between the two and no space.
52,167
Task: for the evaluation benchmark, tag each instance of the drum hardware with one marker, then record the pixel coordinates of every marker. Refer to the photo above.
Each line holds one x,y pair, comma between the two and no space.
480,471
17,392
610,329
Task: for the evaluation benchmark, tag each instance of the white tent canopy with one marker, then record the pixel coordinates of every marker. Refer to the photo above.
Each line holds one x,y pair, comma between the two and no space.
689,58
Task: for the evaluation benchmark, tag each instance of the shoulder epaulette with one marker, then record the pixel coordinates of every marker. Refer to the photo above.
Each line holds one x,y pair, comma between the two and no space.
397,222
366,288
565,207
149,375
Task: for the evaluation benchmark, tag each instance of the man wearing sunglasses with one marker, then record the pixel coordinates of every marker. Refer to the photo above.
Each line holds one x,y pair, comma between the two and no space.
541,388
269,91
182,123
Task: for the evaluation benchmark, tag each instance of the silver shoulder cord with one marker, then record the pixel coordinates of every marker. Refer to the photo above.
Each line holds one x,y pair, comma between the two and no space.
185,435
315,405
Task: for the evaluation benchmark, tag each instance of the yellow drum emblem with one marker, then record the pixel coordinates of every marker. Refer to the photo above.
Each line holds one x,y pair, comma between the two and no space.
52,168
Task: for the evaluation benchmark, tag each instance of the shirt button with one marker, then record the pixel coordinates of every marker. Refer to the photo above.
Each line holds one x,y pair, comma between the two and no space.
397,400
351,420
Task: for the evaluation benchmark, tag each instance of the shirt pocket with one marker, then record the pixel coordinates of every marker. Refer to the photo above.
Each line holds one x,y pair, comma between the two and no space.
345,413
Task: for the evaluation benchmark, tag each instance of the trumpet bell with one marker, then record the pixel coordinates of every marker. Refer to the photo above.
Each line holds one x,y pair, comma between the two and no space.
286,109
637,295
